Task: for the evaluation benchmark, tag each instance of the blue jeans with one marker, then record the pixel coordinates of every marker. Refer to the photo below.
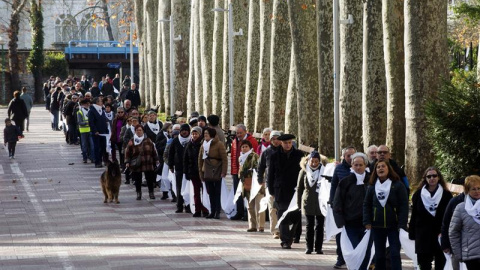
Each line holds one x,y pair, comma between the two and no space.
380,240
100,148
55,118
87,145
355,234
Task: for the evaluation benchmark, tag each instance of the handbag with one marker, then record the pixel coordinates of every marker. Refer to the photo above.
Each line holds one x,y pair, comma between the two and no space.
136,162
212,172
247,184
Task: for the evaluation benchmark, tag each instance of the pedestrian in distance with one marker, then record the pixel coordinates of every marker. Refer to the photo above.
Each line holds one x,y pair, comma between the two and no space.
11,134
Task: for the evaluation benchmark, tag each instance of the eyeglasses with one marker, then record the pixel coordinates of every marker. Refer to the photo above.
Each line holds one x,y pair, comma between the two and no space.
432,176
382,152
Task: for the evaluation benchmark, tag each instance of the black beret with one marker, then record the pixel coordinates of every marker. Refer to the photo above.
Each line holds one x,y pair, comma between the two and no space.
286,137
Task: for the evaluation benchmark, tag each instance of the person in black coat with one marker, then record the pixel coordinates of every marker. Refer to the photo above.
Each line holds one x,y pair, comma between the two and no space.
71,119
175,163
282,181
107,88
447,218
55,100
94,90
134,96
190,168
429,203
98,126
11,133
153,126
17,110
160,145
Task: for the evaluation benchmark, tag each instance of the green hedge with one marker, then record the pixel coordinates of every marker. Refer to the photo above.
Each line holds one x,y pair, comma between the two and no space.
55,65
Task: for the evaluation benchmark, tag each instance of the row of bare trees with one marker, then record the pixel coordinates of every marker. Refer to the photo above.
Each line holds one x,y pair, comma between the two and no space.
392,59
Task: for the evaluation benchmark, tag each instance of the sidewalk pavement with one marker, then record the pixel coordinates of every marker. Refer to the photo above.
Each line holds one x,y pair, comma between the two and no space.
52,216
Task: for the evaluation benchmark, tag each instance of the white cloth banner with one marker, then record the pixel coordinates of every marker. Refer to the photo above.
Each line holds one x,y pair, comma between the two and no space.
228,206
408,247
324,195
206,198
165,185
331,228
291,207
173,179
354,256
255,186
264,201
238,192
448,258
185,191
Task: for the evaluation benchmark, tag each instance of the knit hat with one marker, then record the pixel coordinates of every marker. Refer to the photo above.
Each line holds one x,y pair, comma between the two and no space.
213,119
198,130
193,121
314,154
202,118
184,127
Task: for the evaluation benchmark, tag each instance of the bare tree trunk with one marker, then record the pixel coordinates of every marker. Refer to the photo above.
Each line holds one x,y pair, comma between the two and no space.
197,60
206,35
225,117
291,113
181,21
325,79
393,29
191,63
425,63
106,17
165,7
146,53
141,66
159,74
13,61
280,65
240,20
478,59
152,24
374,88
351,74
304,33
217,59
253,56
263,87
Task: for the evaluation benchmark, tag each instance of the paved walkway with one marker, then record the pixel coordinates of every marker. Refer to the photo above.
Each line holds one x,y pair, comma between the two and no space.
52,216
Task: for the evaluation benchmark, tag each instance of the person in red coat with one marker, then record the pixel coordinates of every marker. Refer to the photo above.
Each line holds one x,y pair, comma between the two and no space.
234,155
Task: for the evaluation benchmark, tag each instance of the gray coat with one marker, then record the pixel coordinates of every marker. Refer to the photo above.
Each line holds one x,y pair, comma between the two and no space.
464,235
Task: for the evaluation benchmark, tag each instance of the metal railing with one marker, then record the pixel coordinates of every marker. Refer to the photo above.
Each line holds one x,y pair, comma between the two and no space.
98,47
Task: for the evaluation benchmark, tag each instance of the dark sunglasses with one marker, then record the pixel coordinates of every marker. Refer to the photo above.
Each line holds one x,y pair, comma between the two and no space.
432,175
382,152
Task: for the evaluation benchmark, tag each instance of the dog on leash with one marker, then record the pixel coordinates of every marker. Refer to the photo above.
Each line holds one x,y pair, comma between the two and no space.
110,181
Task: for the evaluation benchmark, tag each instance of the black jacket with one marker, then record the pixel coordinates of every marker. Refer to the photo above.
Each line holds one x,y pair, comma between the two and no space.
348,203
395,212
55,100
17,110
190,159
264,163
447,218
175,155
69,113
107,89
134,97
98,123
95,91
425,228
150,134
161,144
342,170
283,175
11,133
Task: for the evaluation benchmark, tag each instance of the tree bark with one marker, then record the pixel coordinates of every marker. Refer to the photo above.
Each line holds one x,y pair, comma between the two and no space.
393,29
106,18
159,61
304,33
152,24
165,12
263,87
425,64
197,60
253,56
181,20
374,88
146,52
217,59
280,65
240,20
191,63
206,35
225,117
351,74
13,61
291,114
326,141
141,66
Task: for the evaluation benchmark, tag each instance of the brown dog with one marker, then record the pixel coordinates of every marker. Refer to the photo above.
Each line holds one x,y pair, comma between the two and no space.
110,181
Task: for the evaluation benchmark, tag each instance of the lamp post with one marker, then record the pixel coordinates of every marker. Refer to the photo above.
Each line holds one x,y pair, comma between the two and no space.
172,62
2,43
231,34
336,72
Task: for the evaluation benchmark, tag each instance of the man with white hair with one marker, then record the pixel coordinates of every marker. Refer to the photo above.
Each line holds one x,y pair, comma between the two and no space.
372,153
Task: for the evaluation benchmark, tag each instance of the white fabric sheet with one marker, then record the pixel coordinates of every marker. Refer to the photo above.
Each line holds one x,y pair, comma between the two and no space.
291,207
255,186
206,198
354,256
331,228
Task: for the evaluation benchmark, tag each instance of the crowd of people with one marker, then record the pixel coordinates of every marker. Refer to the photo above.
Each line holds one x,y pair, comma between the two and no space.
368,193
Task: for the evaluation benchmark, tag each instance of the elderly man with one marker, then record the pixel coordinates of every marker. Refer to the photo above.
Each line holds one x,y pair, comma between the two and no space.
372,153
98,123
263,166
342,170
282,181
235,166
134,96
127,105
383,153
29,103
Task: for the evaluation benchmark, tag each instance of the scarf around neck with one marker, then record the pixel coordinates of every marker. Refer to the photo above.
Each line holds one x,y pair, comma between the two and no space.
382,191
360,177
184,141
473,209
109,115
431,202
137,140
206,148
99,109
243,157
312,175
154,127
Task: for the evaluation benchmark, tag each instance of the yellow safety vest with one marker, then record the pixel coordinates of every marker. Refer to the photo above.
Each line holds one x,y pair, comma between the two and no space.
86,128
